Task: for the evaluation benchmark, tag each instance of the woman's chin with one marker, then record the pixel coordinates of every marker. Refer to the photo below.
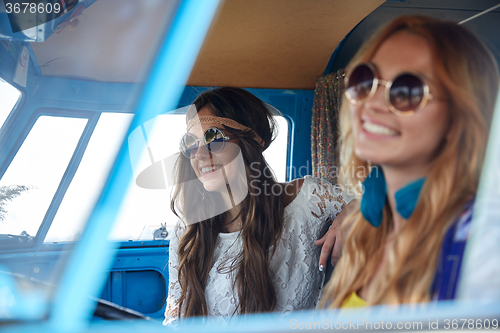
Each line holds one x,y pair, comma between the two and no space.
213,185
368,155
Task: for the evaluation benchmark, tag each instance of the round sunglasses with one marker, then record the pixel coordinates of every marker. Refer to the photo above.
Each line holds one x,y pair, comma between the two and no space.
214,141
405,94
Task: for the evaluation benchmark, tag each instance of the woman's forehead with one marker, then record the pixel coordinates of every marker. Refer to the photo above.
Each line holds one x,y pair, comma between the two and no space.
201,127
401,52
205,111
201,124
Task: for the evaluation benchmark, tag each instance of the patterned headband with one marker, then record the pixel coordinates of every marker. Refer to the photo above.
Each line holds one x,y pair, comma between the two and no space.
225,121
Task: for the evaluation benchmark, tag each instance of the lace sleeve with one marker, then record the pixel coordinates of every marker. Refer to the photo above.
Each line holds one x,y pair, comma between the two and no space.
172,311
330,199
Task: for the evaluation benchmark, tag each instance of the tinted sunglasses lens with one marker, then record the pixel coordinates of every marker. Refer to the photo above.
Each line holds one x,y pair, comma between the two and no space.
188,145
406,93
360,83
214,139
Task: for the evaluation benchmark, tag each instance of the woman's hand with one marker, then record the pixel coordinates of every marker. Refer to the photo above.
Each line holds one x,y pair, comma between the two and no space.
332,240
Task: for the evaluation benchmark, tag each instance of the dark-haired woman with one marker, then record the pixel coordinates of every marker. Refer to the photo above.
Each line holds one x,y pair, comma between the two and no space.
245,243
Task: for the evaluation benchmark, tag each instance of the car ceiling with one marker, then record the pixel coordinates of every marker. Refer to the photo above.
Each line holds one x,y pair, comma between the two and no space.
251,43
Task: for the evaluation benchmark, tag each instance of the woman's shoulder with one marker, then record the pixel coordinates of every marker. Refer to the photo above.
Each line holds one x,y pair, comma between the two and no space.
295,191
461,225
454,242
314,188
291,190
318,196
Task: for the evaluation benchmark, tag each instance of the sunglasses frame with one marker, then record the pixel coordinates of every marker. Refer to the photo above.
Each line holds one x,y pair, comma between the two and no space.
388,84
205,144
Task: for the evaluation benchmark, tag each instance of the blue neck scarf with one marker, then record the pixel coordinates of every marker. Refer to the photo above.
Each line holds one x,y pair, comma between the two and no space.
375,196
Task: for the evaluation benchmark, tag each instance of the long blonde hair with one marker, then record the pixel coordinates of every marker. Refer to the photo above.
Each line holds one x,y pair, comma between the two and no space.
469,75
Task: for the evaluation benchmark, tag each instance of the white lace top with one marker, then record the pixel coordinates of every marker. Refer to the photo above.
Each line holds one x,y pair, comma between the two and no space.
297,279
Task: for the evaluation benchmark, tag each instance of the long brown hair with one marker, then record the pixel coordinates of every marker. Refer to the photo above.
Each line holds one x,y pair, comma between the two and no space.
469,75
262,216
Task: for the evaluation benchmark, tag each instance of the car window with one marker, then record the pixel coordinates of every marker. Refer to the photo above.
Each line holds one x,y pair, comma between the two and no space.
29,184
144,210
89,177
9,97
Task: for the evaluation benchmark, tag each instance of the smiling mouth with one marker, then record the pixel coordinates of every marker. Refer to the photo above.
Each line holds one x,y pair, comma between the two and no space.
206,170
378,129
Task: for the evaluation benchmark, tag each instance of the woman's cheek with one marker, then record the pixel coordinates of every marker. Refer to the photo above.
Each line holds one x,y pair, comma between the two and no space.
194,166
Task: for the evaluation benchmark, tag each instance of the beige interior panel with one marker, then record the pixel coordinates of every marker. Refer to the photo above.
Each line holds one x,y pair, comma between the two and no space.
275,44
252,43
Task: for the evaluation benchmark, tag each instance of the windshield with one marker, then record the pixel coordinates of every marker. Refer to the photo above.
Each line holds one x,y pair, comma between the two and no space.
95,46
145,210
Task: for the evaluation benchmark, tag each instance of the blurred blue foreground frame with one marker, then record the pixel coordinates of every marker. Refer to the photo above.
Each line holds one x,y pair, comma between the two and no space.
85,272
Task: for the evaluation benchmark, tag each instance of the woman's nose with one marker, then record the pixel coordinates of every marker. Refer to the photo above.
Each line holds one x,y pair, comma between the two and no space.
201,152
378,101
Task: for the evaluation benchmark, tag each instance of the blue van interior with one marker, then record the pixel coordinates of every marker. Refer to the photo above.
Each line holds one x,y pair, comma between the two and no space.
89,93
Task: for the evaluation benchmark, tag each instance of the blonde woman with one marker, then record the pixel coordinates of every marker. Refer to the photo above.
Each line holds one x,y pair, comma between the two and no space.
419,99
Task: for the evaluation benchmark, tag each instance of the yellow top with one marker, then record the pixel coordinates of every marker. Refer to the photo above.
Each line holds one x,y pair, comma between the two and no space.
353,301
